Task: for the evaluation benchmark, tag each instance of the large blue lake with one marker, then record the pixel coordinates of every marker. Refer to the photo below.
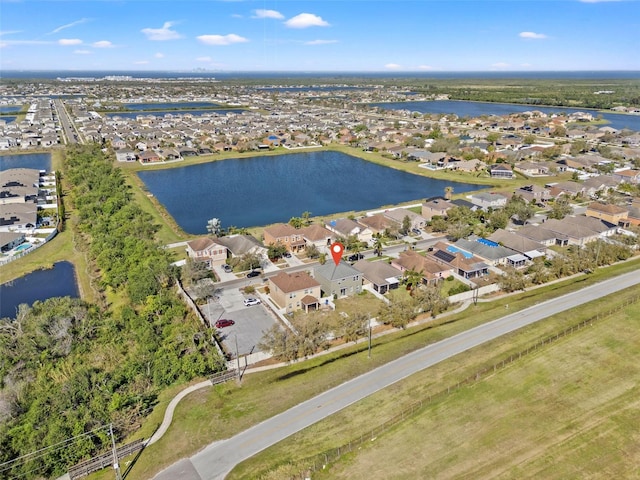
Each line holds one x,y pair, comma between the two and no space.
159,114
39,161
264,190
169,105
59,281
476,109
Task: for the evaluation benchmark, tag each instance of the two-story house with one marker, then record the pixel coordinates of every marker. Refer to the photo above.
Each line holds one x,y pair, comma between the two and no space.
286,235
295,291
340,280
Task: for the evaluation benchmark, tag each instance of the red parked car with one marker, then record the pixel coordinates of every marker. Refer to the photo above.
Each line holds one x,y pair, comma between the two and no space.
223,322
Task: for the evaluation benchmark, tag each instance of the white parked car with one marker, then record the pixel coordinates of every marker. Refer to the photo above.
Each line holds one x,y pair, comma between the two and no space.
251,301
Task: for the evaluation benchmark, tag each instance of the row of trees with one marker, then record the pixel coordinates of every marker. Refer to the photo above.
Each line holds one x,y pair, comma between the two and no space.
313,331
68,367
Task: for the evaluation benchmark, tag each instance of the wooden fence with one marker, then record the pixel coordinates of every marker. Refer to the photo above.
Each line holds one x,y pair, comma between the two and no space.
104,460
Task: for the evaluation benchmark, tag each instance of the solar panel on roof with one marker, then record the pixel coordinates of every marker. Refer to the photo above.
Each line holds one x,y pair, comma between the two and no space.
445,256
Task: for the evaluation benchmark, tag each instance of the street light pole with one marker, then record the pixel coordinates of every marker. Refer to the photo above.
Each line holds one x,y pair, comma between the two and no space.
116,466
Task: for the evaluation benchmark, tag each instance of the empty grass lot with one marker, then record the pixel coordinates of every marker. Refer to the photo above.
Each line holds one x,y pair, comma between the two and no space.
570,410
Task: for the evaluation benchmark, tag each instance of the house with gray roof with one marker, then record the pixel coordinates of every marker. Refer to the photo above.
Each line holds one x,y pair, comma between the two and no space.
521,244
486,200
492,252
382,276
341,280
239,245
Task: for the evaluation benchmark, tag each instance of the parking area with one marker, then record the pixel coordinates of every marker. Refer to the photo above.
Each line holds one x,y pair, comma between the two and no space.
250,322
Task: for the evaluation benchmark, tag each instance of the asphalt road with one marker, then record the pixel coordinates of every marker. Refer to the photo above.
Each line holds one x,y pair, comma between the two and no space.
219,458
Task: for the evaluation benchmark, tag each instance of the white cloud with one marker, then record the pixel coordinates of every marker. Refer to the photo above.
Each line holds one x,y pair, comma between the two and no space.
204,59
141,62
222,39
392,66
268,14
305,20
103,44
532,35
320,42
500,65
82,52
9,32
69,41
425,67
161,34
68,25
159,55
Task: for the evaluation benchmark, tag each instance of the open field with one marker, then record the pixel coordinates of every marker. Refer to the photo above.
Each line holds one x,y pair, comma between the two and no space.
224,410
566,411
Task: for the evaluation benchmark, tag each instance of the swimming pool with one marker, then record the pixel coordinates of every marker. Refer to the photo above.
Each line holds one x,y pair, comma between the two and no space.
24,246
486,242
453,249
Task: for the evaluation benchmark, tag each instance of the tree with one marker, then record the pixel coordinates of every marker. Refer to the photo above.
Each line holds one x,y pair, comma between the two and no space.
214,227
312,251
276,250
406,225
412,278
398,313
429,298
377,246
249,261
560,208
448,192
296,222
355,326
306,216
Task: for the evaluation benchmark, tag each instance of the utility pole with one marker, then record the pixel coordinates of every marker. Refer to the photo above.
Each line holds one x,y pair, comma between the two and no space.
237,357
116,466
369,338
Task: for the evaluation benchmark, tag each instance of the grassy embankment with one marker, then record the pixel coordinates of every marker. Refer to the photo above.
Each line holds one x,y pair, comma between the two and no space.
221,411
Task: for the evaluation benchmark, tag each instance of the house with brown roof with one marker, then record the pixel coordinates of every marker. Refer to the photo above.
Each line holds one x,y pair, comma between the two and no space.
207,250
436,207
534,194
397,215
533,169
377,223
317,235
432,271
284,234
294,291
628,176
345,227
463,263
609,213
580,229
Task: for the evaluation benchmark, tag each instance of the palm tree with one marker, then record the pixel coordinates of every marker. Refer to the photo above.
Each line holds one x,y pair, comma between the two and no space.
377,247
448,192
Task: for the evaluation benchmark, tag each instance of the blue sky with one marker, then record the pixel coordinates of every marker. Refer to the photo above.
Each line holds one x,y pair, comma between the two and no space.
321,36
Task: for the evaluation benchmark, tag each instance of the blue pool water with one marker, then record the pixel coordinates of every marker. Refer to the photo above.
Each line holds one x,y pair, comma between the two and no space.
453,249
24,246
486,242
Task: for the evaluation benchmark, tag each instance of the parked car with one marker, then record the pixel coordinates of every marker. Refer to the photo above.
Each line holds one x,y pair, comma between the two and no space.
252,274
227,268
287,255
417,231
355,257
251,301
224,322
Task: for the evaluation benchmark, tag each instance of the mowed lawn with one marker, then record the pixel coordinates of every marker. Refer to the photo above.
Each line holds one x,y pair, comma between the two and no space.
572,410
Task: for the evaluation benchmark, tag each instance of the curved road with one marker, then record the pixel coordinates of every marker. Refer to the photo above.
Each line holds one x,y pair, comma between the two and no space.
219,458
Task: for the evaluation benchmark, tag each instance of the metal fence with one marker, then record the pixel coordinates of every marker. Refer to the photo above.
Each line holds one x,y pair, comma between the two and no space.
104,460
320,461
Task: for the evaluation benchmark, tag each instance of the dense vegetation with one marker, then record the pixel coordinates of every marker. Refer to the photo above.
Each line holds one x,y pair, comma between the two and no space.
67,368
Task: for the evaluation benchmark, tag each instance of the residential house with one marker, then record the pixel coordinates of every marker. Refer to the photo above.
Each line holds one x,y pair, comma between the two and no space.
340,280
148,156
580,229
613,214
295,291
486,200
317,235
533,169
494,253
238,245
502,170
207,250
540,234
377,223
10,240
18,217
345,227
462,263
382,276
534,194
286,235
432,272
628,176
519,243
568,188
436,206
398,215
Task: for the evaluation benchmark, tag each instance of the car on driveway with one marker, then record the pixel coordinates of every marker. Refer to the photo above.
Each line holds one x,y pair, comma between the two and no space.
251,301
416,231
224,322
227,268
252,274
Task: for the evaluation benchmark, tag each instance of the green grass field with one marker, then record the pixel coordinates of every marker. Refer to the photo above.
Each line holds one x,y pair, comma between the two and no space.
570,410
